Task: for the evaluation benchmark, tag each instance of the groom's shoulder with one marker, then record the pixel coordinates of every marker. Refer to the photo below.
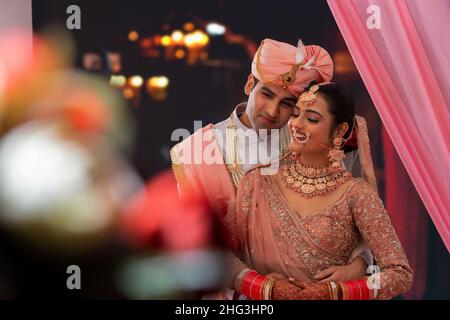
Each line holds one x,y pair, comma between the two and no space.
221,125
189,142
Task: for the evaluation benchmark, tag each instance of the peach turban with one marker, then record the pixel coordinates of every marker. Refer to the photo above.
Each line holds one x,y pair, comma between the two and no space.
279,63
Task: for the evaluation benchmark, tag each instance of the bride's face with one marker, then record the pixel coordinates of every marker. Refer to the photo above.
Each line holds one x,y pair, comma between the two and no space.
314,120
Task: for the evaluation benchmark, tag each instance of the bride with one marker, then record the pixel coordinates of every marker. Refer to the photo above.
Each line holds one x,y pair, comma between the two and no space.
312,213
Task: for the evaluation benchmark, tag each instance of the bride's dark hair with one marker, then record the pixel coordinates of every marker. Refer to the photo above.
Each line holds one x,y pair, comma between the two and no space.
340,105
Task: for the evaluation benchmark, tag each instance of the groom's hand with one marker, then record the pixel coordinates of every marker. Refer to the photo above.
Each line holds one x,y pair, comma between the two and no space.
276,276
352,271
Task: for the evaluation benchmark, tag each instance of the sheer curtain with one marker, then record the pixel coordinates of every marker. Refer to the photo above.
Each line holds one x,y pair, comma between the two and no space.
401,50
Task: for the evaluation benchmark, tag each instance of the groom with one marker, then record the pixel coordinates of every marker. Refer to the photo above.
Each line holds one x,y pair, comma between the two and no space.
214,158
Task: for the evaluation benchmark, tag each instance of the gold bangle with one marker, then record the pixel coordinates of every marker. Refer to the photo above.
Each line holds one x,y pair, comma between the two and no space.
373,292
334,291
340,292
330,292
261,290
269,288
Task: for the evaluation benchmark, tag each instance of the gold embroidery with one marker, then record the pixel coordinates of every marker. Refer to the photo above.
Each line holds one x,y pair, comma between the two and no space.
327,237
233,166
177,167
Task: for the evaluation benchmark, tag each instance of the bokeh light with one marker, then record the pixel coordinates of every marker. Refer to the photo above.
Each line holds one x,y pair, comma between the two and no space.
166,40
215,29
177,37
117,81
133,35
188,26
158,82
136,81
180,54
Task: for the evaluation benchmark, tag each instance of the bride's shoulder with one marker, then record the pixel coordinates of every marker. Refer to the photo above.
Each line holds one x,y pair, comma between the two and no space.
361,189
358,183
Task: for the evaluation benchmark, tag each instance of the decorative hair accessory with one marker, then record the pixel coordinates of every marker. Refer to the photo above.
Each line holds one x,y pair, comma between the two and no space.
309,97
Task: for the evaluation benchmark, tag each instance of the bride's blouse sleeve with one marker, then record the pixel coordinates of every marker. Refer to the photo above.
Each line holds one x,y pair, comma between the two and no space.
376,228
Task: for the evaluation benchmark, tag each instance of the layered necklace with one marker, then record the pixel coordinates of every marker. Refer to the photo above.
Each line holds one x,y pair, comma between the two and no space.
311,181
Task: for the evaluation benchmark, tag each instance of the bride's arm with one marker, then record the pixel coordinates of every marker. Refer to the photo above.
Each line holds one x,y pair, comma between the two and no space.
395,276
376,228
356,268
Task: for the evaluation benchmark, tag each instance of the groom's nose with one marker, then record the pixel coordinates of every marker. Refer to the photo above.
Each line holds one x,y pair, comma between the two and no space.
272,110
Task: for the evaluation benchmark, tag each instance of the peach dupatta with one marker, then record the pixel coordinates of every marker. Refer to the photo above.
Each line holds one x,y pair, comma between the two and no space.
270,236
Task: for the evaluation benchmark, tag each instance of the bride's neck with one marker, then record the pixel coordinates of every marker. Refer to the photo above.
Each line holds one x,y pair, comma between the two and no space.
315,160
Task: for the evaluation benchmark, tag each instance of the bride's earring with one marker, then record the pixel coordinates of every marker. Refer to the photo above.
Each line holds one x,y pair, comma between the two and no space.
336,155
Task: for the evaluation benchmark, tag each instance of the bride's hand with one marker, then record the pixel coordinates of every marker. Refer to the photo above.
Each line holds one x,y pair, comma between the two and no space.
286,290
355,270
312,291
299,290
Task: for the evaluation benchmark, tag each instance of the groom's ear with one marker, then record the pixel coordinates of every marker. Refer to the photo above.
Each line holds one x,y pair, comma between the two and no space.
250,84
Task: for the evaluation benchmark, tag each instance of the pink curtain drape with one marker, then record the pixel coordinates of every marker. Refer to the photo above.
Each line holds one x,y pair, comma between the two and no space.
405,66
404,63
408,215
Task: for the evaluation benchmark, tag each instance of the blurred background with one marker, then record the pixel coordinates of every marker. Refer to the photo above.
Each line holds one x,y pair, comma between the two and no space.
86,132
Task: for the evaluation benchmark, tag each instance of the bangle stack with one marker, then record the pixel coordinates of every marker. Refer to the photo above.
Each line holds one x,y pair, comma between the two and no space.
334,290
239,278
354,290
254,285
268,288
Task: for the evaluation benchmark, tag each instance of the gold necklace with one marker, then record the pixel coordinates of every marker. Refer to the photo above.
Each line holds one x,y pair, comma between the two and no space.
310,181
233,166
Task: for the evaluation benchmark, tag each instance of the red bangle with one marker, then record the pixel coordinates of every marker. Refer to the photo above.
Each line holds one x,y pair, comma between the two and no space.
247,282
364,289
257,285
356,290
359,289
253,285
351,290
348,289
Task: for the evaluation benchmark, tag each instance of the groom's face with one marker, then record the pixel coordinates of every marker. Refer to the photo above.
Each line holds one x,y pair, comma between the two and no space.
268,106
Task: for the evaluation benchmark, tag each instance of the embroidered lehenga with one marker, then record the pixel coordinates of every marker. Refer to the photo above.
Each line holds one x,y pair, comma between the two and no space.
268,235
